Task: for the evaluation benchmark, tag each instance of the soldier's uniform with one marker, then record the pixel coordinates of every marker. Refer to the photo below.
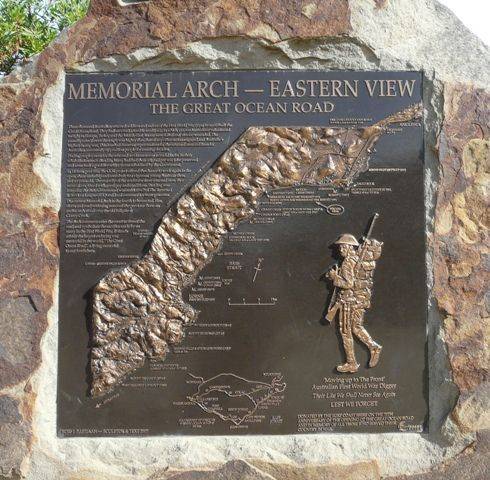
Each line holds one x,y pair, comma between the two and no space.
354,280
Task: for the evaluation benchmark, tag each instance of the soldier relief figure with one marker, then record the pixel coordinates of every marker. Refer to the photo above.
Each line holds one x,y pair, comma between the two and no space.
353,287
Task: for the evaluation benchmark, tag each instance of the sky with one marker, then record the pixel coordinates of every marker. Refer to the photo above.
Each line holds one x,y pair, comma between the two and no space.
475,14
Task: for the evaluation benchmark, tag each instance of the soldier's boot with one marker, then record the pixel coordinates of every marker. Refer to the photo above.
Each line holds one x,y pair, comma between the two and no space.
348,368
375,352
374,348
351,366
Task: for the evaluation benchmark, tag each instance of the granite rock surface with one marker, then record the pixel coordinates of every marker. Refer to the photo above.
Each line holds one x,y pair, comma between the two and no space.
461,247
326,34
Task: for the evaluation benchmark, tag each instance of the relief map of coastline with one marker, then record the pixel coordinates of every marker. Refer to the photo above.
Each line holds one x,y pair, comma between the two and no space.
242,252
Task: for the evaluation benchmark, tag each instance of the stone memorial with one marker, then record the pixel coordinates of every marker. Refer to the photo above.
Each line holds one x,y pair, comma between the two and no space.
246,240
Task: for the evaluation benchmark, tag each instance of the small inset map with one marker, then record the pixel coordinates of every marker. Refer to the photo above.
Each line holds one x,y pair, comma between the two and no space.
234,398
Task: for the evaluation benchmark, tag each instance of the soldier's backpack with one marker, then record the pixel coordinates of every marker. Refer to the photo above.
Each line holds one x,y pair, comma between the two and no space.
369,252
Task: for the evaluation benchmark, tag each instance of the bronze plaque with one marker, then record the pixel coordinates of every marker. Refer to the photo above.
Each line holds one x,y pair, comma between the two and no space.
242,252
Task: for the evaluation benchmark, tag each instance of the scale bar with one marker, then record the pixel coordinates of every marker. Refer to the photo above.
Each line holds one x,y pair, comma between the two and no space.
249,304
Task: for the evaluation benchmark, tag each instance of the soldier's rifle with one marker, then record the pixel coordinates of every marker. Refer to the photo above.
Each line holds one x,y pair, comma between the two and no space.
362,248
332,308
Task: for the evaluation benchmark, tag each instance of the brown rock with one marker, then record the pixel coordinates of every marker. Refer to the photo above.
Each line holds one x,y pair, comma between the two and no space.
16,338
27,271
179,22
15,436
460,246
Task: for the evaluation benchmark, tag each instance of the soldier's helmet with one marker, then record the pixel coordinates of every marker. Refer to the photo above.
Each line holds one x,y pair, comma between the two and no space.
347,239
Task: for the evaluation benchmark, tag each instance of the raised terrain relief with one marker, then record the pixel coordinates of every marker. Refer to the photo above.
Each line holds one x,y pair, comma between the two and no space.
139,311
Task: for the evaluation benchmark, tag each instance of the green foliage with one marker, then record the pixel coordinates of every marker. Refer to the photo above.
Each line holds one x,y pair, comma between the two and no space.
28,26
